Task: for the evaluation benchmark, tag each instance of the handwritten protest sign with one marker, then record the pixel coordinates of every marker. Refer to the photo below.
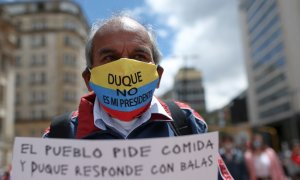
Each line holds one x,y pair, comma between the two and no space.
190,157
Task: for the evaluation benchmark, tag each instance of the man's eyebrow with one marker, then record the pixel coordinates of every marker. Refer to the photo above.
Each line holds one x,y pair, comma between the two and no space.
106,51
143,50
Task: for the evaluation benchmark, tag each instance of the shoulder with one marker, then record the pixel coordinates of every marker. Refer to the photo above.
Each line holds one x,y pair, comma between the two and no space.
271,152
63,125
194,118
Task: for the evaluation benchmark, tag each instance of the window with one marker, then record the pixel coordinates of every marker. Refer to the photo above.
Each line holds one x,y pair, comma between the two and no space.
273,97
70,78
69,7
253,13
16,9
33,114
275,110
70,25
3,64
17,114
1,125
270,68
67,40
70,60
43,114
38,60
33,60
38,97
70,41
38,78
39,24
41,6
19,42
269,56
70,96
269,84
18,79
18,61
38,41
38,114
32,8
1,95
262,17
18,99
274,36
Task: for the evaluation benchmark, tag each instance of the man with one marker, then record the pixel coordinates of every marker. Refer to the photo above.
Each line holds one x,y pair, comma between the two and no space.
233,158
122,73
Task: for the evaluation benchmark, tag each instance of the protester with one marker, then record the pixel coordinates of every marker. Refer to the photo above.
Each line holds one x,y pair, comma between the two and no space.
233,158
6,176
295,160
262,161
296,153
122,73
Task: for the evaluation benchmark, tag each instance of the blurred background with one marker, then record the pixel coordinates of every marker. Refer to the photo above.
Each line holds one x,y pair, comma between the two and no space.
236,62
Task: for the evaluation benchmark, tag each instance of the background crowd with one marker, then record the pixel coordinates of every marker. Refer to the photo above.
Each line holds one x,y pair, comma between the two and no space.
257,160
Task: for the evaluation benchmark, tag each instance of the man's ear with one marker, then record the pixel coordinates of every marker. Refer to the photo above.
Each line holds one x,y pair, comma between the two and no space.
86,75
160,71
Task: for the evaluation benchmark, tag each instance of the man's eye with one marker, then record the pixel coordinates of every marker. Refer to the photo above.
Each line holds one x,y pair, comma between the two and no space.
140,57
109,58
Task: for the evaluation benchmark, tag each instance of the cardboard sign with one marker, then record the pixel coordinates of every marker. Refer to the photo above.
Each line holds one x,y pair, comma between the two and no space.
190,157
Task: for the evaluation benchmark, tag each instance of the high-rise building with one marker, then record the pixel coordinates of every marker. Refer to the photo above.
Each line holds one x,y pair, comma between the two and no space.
188,87
49,60
271,45
7,47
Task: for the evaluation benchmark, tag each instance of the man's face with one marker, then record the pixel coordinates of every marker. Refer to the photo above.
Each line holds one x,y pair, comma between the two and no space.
130,42
123,39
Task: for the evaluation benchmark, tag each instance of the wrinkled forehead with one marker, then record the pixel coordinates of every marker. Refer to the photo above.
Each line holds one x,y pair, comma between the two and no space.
121,25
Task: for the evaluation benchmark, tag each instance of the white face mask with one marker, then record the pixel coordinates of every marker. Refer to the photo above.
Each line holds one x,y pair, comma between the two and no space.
257,144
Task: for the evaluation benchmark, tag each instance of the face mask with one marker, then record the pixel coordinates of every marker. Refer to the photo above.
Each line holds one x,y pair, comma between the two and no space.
228,146
124,87
257,144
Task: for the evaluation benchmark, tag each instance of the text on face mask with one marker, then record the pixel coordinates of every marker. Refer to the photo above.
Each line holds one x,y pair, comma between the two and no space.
125,80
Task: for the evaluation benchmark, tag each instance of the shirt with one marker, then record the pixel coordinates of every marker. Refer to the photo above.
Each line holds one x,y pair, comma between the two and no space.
262,165
102,119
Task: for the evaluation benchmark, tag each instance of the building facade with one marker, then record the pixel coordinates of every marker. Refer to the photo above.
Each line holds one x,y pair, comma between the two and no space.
7,48
270,31
49,59
188,87
238,109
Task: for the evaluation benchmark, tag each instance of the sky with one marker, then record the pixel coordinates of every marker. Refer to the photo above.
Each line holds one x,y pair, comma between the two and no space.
203,34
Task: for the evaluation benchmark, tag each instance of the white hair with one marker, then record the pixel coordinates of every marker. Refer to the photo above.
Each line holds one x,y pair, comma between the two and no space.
99,24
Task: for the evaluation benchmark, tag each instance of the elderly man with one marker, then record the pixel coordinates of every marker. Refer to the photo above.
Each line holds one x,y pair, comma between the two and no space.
122,73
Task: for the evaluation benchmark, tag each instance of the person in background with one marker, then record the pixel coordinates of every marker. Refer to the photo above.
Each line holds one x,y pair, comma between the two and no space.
296,153
233,158
295,159
262,161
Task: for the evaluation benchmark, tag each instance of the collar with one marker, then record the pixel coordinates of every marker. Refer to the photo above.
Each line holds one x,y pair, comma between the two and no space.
156,112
